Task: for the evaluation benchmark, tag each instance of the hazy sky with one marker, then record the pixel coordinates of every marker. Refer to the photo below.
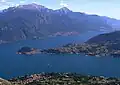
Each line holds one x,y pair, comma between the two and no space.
109,8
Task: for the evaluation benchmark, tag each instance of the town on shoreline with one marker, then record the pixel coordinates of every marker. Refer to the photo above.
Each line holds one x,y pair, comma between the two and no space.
98,50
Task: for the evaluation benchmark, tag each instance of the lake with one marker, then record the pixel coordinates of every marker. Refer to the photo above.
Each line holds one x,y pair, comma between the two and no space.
12,65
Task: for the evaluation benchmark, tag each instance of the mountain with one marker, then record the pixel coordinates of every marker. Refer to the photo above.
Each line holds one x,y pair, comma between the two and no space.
35,21
112,22
112,37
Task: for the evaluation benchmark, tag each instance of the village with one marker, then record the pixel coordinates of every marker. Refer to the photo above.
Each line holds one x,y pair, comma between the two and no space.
63,79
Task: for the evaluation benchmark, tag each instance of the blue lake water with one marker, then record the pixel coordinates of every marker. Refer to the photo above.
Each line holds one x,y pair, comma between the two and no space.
12,65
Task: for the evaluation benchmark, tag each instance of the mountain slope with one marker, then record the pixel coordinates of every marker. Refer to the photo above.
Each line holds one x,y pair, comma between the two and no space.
34,21
113,37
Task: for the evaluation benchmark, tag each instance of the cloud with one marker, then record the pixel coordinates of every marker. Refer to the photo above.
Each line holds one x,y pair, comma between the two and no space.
63,4
22,2
6,4
2,1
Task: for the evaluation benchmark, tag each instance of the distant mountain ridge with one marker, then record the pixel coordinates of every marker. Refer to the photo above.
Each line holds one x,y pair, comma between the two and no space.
34,21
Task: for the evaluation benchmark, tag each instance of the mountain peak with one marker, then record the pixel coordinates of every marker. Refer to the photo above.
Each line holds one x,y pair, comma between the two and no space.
34,5
64,10
31,6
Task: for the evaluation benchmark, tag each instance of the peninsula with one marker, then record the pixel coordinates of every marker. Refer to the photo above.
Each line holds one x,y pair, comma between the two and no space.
28,51
107,44
102,45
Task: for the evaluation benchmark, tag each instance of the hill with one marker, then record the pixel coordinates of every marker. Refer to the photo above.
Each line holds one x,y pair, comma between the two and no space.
4,82
112,37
